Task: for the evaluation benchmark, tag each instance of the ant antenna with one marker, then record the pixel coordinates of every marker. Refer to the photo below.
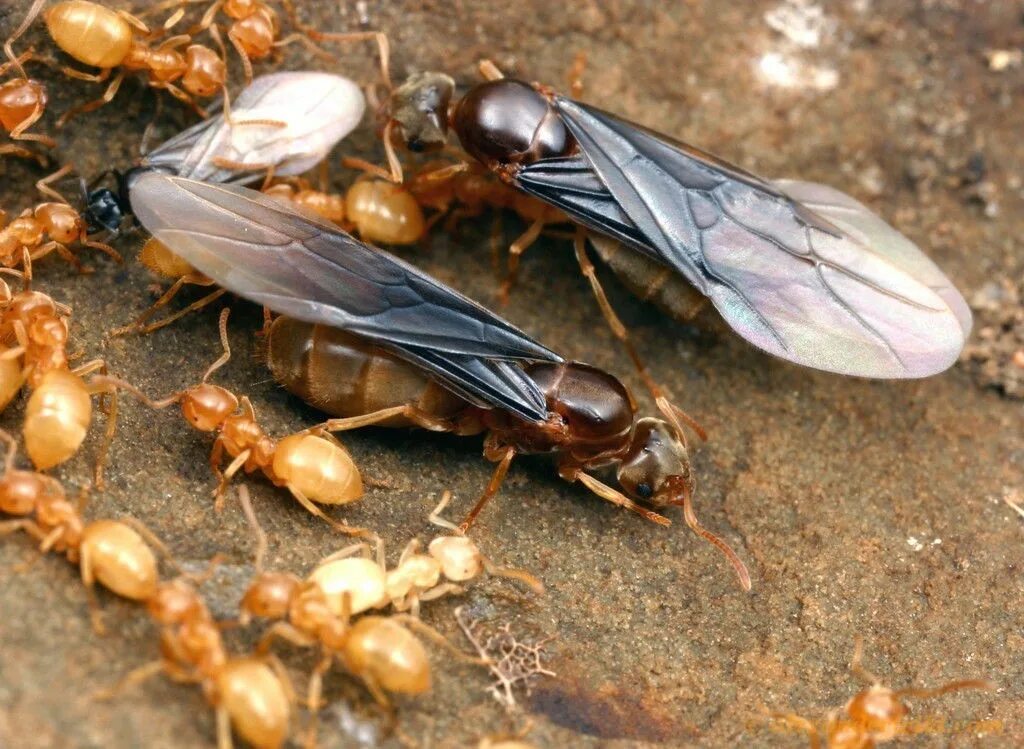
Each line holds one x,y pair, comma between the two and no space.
686,501
254,525
8,45
222,325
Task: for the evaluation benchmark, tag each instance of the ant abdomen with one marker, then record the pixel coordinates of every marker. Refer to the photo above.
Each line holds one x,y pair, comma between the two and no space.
344,375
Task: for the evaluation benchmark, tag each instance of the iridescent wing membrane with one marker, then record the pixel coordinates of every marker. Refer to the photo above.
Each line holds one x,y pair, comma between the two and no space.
798,269
287,120
310,270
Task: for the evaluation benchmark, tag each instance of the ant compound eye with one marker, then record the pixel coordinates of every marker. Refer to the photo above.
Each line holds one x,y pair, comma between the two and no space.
644,491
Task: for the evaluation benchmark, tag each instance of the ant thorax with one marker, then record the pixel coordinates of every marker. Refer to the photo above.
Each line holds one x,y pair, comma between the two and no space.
591,415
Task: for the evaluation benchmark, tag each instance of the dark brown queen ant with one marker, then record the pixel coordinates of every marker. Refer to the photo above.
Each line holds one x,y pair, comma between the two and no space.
380,342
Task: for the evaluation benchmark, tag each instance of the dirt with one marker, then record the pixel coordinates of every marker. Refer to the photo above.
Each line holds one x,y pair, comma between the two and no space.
864,509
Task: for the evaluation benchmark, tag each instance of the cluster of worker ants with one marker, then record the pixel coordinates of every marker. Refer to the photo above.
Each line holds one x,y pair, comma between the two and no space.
353,607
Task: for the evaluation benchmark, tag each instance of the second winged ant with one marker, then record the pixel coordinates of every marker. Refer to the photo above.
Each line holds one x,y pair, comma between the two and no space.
798,269
372,340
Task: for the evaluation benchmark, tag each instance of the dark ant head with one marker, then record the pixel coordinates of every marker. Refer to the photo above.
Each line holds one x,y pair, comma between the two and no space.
656,468
420,108
508,122
103,209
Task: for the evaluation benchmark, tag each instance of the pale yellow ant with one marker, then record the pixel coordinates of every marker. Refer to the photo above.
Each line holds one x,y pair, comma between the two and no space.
875,715
312,465
113,553
251,694
107,39
33,337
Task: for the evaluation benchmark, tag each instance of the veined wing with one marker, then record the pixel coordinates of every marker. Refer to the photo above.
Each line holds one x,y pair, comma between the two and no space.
302,267
799,270
288,120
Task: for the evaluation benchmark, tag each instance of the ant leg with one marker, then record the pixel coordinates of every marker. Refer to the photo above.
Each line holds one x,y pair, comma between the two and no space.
491,490
672,413
435,514
165,298
65,254
308,43
89,580
512,573
438,591
383,44
132,679
433,635
226,477
314,692
183,97
24,153
81,75
349,551
616,497
351,162
801,724
107,97
223,728
33,11
288,633
111,430
413,414
43,185
856,668
953,686
340,526
134,21
259,535
197,305
13,526
517,248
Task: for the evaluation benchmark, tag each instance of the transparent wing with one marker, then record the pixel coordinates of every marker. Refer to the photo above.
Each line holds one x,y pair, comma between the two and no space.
288,120
304,268
799,270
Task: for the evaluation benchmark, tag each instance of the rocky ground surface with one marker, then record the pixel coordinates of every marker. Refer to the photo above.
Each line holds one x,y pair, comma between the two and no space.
864,509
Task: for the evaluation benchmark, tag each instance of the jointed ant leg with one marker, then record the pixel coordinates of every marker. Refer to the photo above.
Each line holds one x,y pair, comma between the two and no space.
413,414
672,413
107,97
492,489
517,248
618,498
43,185
139,324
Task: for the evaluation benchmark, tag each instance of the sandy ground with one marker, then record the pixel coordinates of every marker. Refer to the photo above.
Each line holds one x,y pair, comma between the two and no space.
871,509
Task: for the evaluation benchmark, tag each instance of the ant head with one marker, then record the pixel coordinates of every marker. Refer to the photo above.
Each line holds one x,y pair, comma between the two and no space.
420,108
656,468
104,209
